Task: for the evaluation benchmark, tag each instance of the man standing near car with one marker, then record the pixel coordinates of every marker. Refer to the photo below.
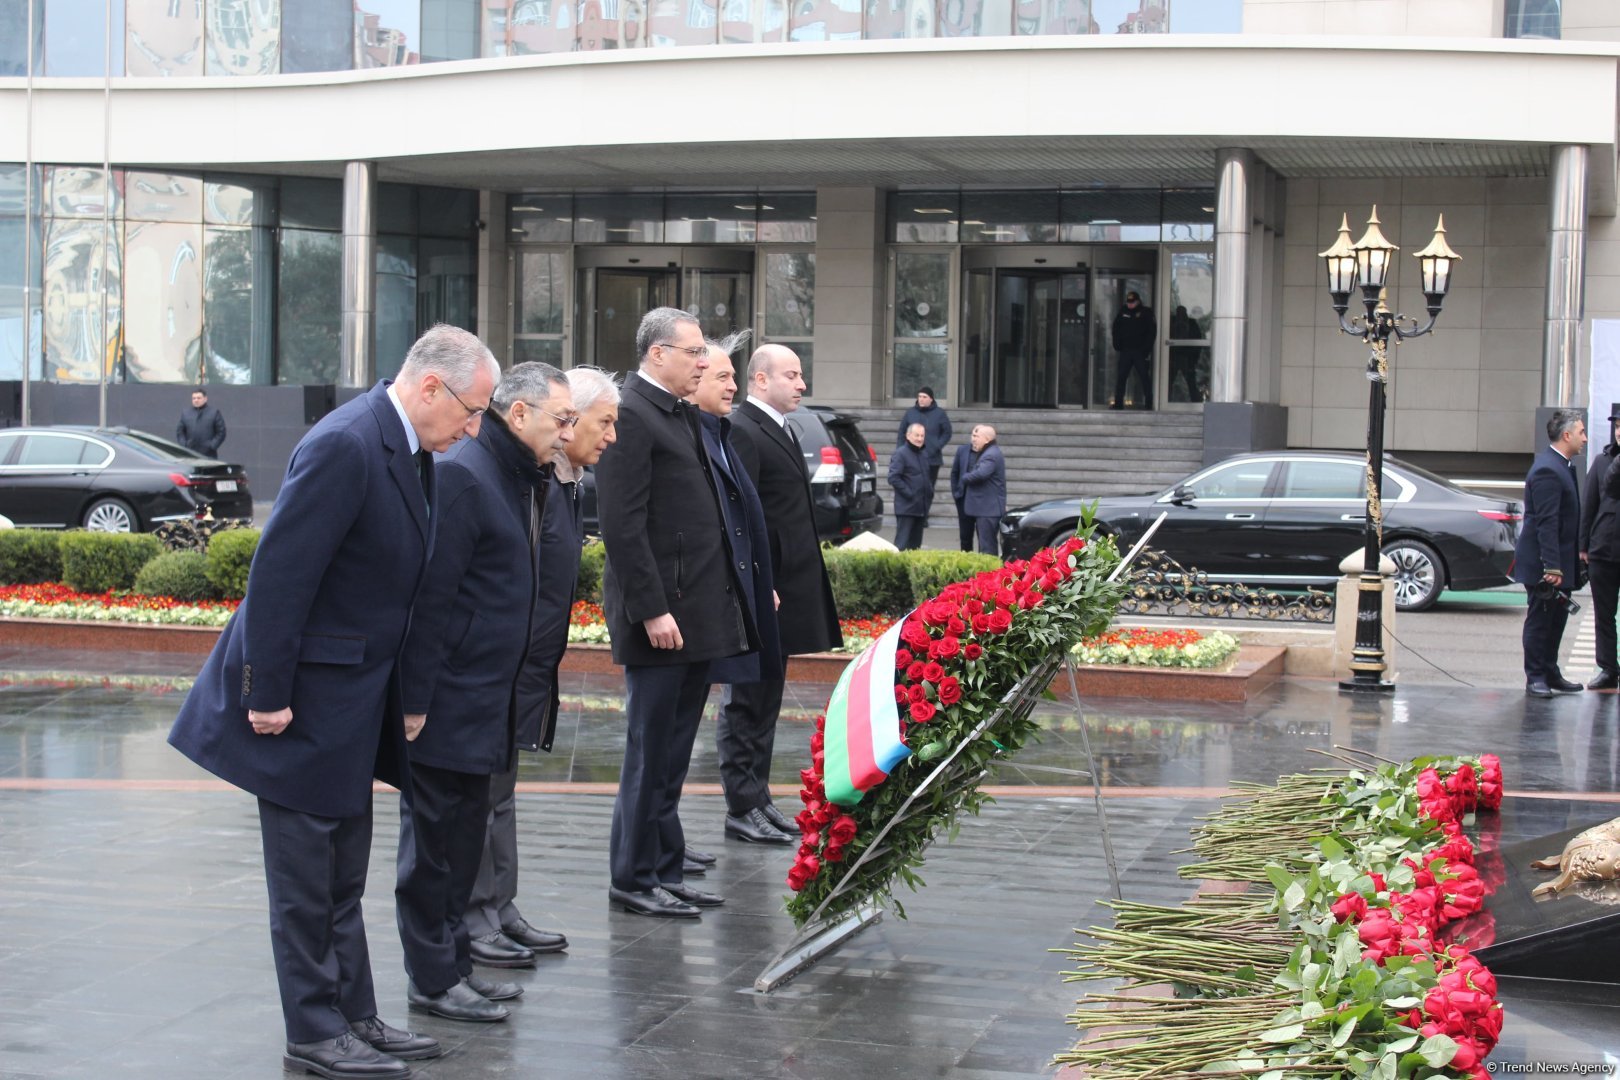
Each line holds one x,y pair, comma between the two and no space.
314,649
1600,551
468,639
672,594
1545,561
501,936
936,424
984,487
908,477
201,429
770,453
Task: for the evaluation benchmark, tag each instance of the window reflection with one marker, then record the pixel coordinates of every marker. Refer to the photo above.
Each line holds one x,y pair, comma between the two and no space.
244,37
1055,17
539,295
918,365
743,21
446,283
14,59
1110,216
76,348
236,293
162,197
924,217
163,37
386,33
12,232
922,293
545,218
449,30
790,294
682,22
527,27
826,20
611,24
70,191
619,219
973,18
396,302
317,35
899,19
75,37
163,297
308,313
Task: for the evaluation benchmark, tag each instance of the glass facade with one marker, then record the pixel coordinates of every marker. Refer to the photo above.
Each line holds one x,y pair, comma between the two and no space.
206,279
1100,215
630,217
268,37
1533,19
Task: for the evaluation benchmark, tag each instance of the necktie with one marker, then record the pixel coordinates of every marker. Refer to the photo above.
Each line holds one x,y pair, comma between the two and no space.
424,469
793,437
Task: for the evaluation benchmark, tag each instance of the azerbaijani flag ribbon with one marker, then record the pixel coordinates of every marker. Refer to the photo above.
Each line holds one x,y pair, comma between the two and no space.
862,739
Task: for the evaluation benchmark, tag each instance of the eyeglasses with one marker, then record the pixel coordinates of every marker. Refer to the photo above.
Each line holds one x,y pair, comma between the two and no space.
562,421
472,413
694,351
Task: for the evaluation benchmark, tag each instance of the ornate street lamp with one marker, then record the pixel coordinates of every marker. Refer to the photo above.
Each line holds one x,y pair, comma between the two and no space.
1367,263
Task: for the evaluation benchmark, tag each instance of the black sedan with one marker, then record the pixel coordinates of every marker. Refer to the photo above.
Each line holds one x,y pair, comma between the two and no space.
112,480
1289,517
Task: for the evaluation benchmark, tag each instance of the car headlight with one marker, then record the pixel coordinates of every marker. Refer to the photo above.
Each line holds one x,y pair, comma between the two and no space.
1013,518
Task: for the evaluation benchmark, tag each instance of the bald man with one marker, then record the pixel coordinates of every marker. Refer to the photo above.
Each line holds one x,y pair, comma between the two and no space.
984,487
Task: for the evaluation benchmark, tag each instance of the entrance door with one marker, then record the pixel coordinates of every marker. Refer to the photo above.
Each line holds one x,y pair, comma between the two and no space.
618,285
1024,340
720,298
620,298
1107,299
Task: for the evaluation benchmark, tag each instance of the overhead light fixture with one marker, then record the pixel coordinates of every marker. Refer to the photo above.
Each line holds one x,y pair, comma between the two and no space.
932,210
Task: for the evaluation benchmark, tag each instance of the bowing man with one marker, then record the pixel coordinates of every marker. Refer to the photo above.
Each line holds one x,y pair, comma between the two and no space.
299,701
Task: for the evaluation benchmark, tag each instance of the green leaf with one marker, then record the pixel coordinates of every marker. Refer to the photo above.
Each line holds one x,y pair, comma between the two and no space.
1290,1032
1280,878
1293,897
1311,1010
1400,1046
1438,1050
1343,1032
1331,849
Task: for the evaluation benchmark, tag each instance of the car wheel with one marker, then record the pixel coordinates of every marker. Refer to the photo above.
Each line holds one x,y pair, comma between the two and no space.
110,515
1060,534
1419,574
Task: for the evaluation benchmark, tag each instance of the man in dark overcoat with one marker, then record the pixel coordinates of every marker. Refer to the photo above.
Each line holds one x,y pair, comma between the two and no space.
466,646
672,593
746,734
1600,551
960,463
1545,561
299,702
984,487
201,428
908,478
501,936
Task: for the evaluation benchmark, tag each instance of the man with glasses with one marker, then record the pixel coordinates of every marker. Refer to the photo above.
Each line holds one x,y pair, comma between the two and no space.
467,643
298,702
671,591
1133,334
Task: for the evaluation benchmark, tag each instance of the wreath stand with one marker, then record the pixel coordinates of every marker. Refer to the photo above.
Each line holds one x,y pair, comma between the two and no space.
820,936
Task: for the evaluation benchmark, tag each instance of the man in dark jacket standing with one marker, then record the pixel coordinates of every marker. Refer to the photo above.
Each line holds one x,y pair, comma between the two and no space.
960,463
984,488
1600,551
770,451
936,424
299,701
908,476
672,593
501,936
201,428
1545,561
1133,335
460,676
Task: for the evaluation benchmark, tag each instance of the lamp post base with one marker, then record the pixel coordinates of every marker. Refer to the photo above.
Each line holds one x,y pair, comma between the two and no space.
1371,686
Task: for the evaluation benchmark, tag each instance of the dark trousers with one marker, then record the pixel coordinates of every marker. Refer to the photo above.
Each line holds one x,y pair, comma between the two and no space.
964,527
1605,578
315,869
441,839
1544,620
1129,361
493,903
745,736
908,531
663,705
987,529
933,482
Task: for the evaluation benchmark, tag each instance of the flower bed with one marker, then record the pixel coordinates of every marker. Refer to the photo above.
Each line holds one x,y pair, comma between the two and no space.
54,601
1335,964
587,625
1141,647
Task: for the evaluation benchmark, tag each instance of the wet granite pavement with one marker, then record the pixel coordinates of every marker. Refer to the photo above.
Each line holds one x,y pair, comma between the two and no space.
133,933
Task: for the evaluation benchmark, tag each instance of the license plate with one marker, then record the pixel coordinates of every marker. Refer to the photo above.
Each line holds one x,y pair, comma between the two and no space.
866,486
225,486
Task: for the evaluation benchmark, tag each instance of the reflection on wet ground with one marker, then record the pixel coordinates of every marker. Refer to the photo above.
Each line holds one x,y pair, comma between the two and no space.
132,924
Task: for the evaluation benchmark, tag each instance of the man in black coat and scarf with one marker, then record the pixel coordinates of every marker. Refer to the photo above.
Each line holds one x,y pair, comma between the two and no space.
201,428
672,592
459,680
501,936
1600,551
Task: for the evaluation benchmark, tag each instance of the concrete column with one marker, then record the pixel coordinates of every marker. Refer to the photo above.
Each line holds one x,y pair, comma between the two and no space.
359,348
851,331
1566,276
1232,221
494,308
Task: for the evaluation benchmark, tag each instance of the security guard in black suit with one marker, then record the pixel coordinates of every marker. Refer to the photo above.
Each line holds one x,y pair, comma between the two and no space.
1600,551
1545,561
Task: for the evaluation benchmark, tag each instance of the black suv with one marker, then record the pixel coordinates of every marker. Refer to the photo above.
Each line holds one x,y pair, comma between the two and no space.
842,470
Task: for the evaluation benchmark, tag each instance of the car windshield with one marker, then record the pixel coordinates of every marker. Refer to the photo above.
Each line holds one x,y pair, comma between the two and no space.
153,446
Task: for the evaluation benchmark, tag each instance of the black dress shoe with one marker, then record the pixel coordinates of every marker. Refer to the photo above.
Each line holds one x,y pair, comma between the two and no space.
394,1042
1538,688
783,825
1562,685
695,897
345,1057
493,991
694,855
1605,680
535,940
655,902
692,869
460,1002
499,951
755,828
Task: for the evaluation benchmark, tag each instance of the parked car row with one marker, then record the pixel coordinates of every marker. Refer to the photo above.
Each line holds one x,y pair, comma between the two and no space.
1287,518
112,479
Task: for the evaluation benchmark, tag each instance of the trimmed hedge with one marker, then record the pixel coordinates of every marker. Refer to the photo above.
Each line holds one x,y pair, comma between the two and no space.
894,582
229,557
95,562
182,575
29,556
588,586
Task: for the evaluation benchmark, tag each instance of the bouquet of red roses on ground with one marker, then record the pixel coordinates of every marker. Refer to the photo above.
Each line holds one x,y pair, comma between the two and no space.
954,659
1334,964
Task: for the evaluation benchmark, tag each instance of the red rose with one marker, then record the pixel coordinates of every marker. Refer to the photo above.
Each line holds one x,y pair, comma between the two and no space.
1031,599
1349,906
945,648
842,830
955,627
812,840
950,691
902,659
821,721
914,671
916,693
834,853
1000,620
818,740
980,623
901,697
1490,782
1006,597
933,673
972,651
915,634
922,711
971,608
1378,882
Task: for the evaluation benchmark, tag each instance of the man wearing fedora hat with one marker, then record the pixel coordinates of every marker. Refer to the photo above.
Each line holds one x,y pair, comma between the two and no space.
1600,551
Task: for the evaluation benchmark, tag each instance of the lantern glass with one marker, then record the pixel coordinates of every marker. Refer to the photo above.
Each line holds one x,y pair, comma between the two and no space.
1341,273
1372,264
1436,275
